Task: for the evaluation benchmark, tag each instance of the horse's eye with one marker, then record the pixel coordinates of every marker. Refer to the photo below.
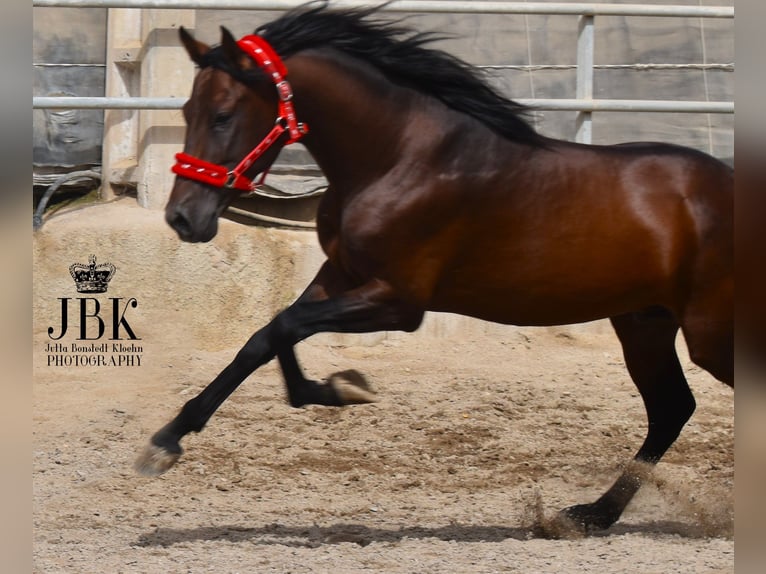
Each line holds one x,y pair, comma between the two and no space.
221,120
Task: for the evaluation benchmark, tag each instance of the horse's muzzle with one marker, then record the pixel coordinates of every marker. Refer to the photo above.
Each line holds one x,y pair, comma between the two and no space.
189,228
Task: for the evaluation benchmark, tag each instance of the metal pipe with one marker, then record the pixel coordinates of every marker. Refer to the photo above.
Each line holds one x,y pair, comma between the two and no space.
271,219
584,86
106,103
443,6
693,107
37,217
558,104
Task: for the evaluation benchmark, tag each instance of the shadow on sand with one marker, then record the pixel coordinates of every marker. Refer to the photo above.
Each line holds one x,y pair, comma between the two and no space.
315,536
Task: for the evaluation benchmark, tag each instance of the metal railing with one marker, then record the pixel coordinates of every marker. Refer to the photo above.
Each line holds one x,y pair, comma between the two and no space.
443,6
584,103
561,104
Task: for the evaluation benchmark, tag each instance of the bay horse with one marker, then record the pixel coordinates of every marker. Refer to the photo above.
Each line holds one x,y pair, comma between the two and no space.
442,197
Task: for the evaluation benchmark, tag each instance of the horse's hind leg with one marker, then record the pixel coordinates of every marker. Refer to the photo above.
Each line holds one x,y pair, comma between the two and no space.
648,342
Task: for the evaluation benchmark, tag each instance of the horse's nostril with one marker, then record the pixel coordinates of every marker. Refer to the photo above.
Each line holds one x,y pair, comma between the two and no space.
178,221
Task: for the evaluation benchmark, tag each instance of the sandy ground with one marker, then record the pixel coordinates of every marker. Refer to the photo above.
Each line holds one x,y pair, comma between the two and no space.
471,443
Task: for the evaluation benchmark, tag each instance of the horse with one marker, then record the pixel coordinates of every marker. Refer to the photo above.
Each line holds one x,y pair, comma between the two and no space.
442,197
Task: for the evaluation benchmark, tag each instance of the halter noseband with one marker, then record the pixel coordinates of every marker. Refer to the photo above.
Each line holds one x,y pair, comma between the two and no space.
216,175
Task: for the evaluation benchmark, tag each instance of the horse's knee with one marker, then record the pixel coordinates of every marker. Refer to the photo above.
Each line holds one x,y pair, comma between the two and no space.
259,349
666,424
673,415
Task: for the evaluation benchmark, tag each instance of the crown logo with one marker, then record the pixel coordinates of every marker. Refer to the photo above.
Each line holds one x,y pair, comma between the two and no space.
92,278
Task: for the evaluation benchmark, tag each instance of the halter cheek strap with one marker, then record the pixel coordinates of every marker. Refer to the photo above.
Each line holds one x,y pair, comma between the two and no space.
216,175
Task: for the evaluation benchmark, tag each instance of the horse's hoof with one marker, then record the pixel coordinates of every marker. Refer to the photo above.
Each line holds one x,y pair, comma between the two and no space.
589,518
155,460
351,387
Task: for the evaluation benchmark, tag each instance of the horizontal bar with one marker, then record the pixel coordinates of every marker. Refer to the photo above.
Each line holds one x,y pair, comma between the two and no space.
635,67
101,103
454,6
559,104
581,105
66,65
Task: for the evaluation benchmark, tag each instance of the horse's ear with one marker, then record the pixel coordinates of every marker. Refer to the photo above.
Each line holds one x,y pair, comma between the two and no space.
232,49
195,49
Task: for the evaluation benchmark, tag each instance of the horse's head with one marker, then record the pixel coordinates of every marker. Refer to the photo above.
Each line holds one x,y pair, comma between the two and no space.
233,107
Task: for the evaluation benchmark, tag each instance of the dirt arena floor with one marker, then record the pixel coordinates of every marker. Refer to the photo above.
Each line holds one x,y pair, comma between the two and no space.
470,447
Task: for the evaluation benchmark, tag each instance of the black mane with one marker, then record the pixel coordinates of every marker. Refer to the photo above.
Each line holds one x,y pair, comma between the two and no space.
402,55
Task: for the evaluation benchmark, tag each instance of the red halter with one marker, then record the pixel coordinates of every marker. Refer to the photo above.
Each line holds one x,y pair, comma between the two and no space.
194,168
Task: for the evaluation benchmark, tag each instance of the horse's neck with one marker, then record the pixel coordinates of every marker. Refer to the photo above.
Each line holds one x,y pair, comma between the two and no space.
362,124
356,118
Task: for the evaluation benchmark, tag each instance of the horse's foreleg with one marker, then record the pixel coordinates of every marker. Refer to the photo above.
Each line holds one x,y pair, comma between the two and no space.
164,447
371,307
341,388
648,342
348,387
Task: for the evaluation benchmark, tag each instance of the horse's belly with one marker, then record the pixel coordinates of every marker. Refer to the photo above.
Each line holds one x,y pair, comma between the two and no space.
551,297
535,313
